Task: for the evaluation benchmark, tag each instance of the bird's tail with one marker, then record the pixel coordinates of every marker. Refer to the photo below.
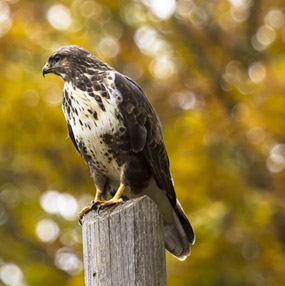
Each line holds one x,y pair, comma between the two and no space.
179,234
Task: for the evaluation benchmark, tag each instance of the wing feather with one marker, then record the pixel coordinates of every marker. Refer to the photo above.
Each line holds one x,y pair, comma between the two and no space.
145,133
144,120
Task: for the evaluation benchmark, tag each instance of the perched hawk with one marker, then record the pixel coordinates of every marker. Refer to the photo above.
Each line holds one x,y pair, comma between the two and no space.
116,131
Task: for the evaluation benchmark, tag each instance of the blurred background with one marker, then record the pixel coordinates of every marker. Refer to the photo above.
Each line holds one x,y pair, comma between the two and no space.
215,73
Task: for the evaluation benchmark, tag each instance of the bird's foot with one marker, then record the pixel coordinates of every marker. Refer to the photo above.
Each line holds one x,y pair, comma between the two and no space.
105,204
86,210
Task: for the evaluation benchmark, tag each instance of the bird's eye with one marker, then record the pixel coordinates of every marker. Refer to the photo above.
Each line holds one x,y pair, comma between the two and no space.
57,59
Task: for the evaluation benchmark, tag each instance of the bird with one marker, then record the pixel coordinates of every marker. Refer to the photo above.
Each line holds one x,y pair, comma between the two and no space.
116,131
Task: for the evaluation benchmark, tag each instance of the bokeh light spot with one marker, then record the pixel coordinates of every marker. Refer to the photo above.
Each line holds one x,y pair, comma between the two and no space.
59,203
257,72
160,8
184,100
5,21
48,201
109,47
239,14
198,18
239,3
162,67
11,274
275,18
47,230
146,38
91,9
185,8
275,163
67,206
68,261
59,17
265,35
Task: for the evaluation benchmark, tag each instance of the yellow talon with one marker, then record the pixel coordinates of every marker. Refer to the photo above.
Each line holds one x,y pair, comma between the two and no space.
102,204
98,196
116,199
97,201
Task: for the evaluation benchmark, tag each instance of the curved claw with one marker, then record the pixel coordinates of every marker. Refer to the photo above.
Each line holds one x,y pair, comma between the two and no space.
95,205
80,220
99,208
84,212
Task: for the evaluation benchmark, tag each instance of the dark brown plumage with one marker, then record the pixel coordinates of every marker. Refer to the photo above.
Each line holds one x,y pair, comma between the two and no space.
116,131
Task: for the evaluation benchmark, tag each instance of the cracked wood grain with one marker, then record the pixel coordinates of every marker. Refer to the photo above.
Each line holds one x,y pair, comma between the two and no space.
124,245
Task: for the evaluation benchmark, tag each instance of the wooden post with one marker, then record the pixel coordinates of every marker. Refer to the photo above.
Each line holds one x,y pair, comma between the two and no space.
124,245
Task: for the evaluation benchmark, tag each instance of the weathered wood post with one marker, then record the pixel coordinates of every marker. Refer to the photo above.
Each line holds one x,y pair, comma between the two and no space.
124,245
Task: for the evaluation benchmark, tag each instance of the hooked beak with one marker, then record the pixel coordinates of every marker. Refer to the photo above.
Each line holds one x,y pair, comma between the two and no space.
46,69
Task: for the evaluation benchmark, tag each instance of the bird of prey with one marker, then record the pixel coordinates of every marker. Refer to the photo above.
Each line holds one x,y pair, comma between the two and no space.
116,131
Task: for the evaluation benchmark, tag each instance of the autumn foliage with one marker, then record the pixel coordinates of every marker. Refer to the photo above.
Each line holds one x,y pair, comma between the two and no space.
215,73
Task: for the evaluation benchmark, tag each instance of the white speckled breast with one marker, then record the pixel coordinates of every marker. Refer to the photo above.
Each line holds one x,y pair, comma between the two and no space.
90,118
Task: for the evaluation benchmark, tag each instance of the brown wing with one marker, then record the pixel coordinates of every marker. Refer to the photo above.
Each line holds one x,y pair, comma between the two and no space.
145,136
145,132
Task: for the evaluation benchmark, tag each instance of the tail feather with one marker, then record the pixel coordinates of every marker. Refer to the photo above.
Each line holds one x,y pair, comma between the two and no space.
179,234
176,240
185,222
173,243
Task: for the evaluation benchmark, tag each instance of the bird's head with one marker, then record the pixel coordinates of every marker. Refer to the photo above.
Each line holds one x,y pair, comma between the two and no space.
67,60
